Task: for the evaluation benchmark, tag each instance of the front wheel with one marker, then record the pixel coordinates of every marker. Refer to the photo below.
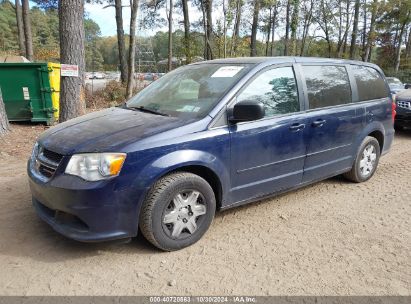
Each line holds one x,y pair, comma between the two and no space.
366,161
177,211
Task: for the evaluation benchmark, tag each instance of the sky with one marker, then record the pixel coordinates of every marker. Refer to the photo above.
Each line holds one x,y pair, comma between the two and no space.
105,18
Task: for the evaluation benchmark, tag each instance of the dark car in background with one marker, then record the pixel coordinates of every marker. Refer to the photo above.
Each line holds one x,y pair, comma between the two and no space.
395,85
210,136
403,117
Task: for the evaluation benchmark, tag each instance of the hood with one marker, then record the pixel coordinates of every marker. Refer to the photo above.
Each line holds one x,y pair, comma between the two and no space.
404,95
105,131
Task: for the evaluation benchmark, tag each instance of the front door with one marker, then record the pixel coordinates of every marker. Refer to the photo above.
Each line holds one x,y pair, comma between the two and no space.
268,155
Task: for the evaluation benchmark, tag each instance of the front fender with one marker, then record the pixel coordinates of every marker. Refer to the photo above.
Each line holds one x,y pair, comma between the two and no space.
183,158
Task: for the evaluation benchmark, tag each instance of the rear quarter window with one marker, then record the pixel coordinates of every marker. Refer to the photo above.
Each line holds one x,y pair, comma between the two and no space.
370,84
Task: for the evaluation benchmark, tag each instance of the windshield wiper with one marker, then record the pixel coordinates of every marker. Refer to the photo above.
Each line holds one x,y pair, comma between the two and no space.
143,109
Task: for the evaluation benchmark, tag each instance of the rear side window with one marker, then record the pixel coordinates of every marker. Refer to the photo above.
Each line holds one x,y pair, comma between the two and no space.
276,89
370,84
327,85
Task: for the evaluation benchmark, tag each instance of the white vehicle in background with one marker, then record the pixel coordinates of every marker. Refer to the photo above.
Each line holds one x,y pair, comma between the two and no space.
395,85
113,76
97,75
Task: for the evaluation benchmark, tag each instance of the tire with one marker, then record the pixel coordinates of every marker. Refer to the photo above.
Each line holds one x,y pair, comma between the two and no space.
177,211
359,172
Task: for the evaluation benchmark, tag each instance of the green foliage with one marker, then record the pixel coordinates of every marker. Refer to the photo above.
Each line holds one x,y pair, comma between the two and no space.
8,28
160,44
94,58
44,25
45,30
108,48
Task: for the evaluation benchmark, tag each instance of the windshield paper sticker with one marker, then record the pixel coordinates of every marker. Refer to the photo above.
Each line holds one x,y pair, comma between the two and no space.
227,71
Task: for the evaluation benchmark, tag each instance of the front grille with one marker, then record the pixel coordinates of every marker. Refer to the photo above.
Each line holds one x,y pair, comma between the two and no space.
404,104
47,162
46,171
55,157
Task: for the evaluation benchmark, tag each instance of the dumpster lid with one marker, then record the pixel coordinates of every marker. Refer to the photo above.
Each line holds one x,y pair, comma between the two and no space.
13,59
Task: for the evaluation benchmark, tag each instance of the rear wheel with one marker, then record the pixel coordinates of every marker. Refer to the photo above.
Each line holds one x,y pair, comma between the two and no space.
177,211
366,161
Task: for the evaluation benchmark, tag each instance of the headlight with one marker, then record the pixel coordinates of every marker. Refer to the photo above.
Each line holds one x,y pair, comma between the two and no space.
35,151
96,166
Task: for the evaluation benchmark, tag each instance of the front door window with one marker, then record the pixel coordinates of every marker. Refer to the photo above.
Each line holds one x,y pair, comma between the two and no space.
276,89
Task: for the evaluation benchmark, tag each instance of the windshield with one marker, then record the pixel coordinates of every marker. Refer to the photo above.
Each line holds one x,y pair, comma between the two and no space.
190,91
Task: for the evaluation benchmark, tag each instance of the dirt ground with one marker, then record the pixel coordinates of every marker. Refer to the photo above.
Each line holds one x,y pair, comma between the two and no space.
332,238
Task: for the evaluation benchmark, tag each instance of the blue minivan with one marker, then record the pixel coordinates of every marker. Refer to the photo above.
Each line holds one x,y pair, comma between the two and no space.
210,136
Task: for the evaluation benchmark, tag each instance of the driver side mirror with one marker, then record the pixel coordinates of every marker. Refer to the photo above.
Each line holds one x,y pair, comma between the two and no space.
247,110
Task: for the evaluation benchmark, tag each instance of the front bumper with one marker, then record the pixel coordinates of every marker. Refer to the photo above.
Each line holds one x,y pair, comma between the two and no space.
87,211
403,117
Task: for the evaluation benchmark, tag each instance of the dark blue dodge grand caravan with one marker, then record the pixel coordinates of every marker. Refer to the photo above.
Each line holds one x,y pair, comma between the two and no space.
210,136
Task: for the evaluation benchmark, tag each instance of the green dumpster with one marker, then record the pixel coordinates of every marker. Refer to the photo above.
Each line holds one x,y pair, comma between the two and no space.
27,92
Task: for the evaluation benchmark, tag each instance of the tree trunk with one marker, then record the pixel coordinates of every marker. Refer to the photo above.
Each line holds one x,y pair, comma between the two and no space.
267,42
274,21
307,23
364,31
398,51
203,11
121,41
347,27
236,32
225,29
20,28
408,47
294,25
132,48
340,28
287,27
4,122
71,16
27,29
371,33
396,35
186,31
326,26
170,36
353,46
254,28
209,16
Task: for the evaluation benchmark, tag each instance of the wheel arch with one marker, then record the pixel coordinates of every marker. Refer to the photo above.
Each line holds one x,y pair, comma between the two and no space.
206,165
379,136
374,129
207,174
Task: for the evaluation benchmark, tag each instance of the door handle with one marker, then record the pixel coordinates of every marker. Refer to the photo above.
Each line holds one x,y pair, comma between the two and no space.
297,127
319,123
